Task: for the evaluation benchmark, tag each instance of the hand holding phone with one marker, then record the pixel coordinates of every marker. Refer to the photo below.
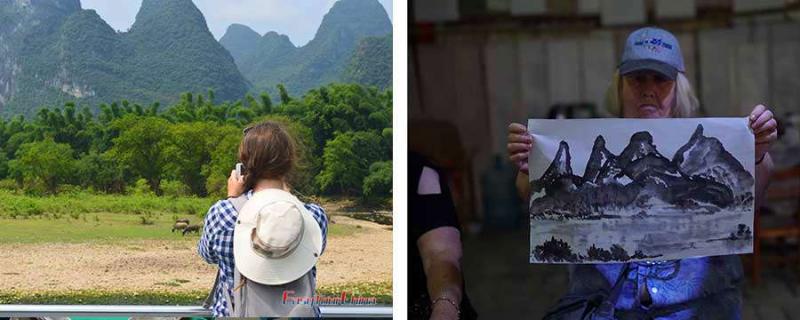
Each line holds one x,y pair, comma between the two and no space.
236,181
239,170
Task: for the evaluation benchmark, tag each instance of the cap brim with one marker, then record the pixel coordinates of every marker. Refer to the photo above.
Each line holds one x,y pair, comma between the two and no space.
648,65
279,270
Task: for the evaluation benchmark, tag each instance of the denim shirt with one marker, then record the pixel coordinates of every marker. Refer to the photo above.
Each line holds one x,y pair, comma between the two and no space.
696,288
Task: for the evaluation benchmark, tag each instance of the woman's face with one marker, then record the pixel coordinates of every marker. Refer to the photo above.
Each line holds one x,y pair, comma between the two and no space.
647,94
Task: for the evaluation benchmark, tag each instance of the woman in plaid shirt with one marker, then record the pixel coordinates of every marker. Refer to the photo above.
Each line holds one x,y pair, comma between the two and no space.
268,153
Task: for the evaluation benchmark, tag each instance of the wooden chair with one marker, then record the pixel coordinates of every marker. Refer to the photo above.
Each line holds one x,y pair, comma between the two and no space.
784,186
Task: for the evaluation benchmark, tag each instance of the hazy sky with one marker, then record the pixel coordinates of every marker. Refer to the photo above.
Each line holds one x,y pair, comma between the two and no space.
298,19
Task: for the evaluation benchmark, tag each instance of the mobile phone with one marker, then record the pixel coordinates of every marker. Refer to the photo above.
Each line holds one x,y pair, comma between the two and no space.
239,169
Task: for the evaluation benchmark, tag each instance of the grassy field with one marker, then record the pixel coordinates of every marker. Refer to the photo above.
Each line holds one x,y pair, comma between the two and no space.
81,217
104,218
108,228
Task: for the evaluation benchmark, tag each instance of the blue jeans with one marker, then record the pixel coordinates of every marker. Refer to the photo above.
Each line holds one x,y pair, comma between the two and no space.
697,288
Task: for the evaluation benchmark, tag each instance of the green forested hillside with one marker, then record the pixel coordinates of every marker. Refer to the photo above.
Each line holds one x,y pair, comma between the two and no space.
58,53
274,60
371,63
241,42
54,52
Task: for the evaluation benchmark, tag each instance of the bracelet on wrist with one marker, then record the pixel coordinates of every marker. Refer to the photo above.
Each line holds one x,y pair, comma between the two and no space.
453,303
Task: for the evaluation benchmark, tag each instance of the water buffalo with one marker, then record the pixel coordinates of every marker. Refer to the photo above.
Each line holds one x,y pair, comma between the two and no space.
192,228
179,226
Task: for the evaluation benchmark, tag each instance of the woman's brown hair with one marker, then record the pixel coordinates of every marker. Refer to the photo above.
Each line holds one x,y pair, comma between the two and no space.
267,152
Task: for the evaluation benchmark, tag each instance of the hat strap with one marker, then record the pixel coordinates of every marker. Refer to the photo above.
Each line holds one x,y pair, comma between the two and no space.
242,282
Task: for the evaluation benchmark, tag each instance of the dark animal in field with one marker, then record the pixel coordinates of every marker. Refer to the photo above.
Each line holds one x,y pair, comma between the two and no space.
184,220
192,228
179,226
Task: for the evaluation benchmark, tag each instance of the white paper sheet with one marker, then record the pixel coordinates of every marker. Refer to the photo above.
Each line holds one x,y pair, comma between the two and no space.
614,190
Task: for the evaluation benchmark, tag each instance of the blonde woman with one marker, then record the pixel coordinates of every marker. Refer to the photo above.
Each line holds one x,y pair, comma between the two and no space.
650,82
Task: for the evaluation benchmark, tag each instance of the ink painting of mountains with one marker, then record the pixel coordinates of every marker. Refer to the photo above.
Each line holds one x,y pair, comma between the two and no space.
620,190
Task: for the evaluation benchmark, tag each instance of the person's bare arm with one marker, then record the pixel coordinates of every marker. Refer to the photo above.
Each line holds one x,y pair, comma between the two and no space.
440,250
765,129
523,186
763,172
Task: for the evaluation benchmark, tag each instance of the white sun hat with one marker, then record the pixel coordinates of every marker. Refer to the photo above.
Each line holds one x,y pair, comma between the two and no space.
276,239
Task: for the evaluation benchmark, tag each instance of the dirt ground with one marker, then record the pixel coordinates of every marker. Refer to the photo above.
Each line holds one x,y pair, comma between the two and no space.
365,256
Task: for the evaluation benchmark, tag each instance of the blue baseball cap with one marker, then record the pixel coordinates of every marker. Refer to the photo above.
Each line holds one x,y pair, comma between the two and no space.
652,49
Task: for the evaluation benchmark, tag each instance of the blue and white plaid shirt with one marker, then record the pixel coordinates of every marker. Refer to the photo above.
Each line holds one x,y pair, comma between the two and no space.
216,244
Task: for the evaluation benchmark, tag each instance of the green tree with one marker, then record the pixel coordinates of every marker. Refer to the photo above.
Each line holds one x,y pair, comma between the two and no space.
223,155
140,146
266,104
285,98
16,140
346,161
378,184
339,108
3,165
386,137
65,126
186,150
45,161
100,172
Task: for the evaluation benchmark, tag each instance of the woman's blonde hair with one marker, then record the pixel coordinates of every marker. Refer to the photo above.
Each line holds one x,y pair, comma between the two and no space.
686,103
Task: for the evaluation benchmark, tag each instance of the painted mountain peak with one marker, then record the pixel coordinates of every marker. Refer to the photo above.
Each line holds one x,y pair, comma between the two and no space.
702,178
706,157
640,147
601,163
561,164
558,175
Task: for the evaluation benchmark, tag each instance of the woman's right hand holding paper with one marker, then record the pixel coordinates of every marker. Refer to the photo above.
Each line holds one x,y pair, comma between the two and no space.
519,145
